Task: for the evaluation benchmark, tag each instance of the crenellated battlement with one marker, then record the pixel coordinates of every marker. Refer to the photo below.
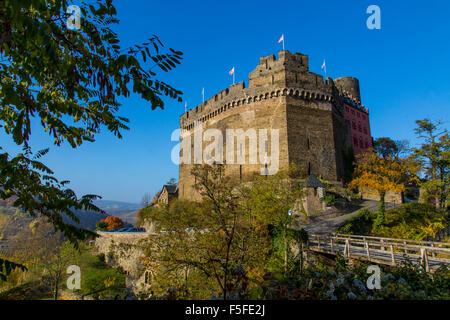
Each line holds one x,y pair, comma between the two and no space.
288,75
211,109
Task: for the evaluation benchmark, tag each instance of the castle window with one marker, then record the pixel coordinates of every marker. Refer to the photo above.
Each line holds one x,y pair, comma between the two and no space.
307,143
359,127
358,114
355,141
240,171
365,130
309,168
353,125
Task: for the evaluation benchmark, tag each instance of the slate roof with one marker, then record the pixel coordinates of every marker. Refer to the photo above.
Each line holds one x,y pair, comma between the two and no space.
171,188
314,182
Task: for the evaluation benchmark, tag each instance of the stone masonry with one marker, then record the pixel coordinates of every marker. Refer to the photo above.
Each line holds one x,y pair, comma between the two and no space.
282,94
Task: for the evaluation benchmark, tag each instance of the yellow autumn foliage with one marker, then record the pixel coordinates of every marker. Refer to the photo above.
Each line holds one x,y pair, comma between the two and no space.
383,174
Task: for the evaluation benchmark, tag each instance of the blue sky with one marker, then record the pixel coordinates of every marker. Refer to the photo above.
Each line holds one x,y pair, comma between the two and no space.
403,71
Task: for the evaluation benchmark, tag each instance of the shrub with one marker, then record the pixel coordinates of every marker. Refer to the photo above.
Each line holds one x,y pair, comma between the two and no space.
360,224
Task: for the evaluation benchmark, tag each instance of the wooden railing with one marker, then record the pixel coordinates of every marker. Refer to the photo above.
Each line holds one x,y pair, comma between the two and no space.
383,250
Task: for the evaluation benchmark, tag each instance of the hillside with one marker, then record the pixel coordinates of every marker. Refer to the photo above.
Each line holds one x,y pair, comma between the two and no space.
124,210
15,223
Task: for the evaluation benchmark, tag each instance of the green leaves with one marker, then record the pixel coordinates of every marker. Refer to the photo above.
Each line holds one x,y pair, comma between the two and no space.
72,81
50,71
7,266
37,192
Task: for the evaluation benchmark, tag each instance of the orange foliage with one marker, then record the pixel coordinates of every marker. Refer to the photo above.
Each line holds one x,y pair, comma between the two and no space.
113,222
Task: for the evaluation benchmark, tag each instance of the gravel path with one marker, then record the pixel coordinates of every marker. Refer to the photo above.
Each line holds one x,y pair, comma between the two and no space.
330,226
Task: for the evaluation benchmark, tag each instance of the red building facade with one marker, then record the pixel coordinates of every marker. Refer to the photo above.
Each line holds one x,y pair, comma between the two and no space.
358,117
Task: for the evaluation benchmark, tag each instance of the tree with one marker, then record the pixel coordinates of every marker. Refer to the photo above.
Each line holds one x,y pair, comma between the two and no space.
113,223
268,200
146,200
383,174
71,80
172,182
59,257
388,148
102,225
215,237
226,239
434,156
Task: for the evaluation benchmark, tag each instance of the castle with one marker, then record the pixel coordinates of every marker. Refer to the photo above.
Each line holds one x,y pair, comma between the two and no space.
313,119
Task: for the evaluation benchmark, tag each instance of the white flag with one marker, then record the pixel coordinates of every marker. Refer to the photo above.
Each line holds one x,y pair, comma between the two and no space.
281,39
324,66
231,71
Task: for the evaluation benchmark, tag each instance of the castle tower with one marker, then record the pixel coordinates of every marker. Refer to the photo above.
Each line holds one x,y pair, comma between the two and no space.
284,96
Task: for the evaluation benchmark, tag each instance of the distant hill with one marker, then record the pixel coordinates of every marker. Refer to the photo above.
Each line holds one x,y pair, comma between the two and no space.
124,210
13,221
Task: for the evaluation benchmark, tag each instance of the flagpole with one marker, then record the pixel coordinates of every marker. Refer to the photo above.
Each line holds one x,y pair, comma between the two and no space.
283,42
234,71
203,94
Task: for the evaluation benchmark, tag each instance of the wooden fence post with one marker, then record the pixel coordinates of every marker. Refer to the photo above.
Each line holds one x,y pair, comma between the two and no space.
347,245
424,259
346,248
366,244
392,255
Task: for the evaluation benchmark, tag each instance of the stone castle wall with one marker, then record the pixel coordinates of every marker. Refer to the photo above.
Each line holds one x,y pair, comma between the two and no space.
282,94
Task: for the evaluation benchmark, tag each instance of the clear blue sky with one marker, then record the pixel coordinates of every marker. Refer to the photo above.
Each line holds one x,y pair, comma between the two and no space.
403,71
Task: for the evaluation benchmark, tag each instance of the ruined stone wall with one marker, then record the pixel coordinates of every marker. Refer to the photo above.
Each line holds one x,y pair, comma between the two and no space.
123,249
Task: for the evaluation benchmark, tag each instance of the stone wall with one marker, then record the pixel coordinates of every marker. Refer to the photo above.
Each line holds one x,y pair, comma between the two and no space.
394,197
282,94
125,249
